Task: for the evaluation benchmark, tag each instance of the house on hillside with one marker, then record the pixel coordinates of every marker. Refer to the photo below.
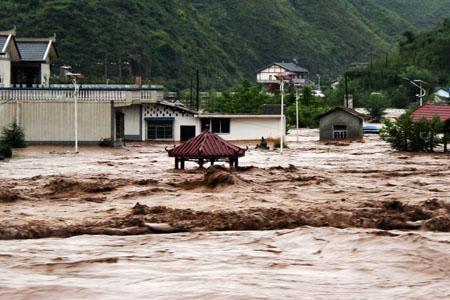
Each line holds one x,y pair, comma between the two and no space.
442,95
341,123
25,62
268,75
428,111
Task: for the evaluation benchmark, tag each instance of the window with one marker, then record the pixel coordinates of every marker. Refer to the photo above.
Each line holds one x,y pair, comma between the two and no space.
339,132
216,125
157,129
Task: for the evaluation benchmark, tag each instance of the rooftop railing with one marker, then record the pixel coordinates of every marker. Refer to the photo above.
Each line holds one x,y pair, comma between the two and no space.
87,92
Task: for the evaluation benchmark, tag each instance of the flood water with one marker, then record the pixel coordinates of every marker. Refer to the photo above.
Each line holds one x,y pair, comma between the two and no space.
47,192
303,263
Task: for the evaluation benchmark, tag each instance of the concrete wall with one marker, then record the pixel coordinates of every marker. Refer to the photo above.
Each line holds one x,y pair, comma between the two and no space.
53,122
180,118
187,120
5,71
7,114
45,74
133,119
339,117
253,129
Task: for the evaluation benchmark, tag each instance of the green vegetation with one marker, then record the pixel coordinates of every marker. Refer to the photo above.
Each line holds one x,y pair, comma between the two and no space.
166,41
421,13
406,135
244,98
13,136
424,56
376,105
5,150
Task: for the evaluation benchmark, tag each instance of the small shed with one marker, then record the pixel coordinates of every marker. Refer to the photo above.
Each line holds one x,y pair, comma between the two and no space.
341,123
207,146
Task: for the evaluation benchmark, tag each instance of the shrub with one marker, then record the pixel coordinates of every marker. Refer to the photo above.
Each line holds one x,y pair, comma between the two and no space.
5,150
14,136
407,135
105,143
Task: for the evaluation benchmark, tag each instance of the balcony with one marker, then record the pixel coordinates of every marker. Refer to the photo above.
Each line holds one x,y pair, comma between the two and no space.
119,94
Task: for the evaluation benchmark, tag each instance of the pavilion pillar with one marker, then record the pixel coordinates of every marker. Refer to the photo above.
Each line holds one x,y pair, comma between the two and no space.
182,163
236,162
201,162
212,161
445,141
177,163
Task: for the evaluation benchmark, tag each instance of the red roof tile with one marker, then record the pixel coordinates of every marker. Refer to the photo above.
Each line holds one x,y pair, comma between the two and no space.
428,111
206,145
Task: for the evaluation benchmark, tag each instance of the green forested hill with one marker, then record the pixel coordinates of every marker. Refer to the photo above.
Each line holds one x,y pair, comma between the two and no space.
165,41
421,13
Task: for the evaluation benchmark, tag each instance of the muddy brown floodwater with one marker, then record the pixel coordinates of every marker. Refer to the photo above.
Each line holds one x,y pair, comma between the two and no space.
91,211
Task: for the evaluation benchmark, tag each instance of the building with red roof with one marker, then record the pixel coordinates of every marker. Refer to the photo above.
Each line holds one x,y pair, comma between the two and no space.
206,146
428,111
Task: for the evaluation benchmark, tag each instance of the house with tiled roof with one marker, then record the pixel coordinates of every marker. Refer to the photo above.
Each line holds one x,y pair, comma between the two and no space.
25,62
429,111
269,74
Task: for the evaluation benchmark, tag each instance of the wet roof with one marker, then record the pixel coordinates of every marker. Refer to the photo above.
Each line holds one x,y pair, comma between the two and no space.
32,51
206,145
292,67
428,111
345,109
3,39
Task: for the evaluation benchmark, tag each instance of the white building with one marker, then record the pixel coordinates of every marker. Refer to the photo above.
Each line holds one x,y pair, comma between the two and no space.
25,62
268,75
163,121
129,113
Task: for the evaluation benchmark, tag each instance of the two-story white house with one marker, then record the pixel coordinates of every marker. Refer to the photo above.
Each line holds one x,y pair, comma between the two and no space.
268,75
25,62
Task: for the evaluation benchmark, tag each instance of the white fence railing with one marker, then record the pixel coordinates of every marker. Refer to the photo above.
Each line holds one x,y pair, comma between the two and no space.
116,95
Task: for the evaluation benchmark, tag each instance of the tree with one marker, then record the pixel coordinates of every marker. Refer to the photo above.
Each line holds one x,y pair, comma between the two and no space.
407,135
376,105
13,136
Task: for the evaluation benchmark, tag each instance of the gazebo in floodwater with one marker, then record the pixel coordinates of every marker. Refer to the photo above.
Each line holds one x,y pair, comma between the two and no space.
206,146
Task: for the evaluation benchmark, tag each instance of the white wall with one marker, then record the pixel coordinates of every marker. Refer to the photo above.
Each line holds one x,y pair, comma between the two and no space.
180,118
45,74
187,120
5,71
132,120
253,128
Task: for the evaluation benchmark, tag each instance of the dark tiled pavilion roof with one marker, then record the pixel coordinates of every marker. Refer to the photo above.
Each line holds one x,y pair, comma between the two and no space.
206,145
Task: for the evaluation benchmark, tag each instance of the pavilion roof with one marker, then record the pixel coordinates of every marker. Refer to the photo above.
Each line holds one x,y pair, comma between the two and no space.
206,145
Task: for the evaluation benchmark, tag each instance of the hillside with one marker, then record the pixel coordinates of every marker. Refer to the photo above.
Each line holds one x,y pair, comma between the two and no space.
421,13
424,56
165,41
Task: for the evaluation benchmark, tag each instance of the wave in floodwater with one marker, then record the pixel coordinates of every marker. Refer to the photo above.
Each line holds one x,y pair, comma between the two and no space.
303,263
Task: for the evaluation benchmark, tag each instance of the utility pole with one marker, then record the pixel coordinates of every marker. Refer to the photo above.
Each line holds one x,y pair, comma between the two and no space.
74,77
191,99
346,90
282,117
198,90
120,70
296,111
106,70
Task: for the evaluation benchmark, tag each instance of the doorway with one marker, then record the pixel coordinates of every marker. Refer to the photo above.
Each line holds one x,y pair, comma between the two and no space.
186,132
